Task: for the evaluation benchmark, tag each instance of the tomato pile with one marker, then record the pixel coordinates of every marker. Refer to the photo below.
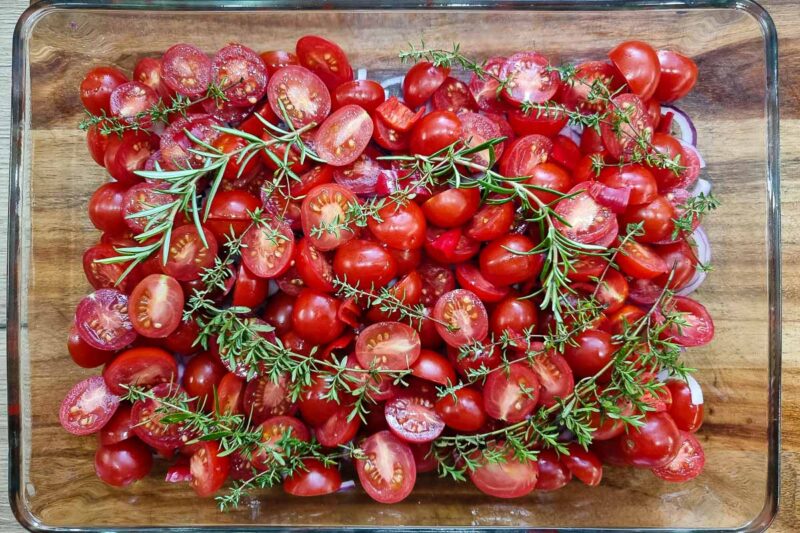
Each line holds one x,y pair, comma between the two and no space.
467,263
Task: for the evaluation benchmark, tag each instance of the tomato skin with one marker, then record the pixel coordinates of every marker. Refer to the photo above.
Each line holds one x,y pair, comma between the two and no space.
669,147
402,227
314,317
506,260
421,81
366,263
490,222
533,122
433,367
656,217
97,86
465,412
688,416
277,59
209,469
553,474
201,377
688,463
639,64
143,366
105,208
510,479
97,143
118,428
83,354
638,178
314,406
249,290
551,176
434,131
230,395
278,312
123,463
452,208
592,351
314,479
511,396
583,464
372,474
325,59
266,398
678,76
182,339
520,158
470,278
365,93
652,445
513,316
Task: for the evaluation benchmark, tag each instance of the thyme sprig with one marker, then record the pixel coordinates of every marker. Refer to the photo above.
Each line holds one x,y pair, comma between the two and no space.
693,208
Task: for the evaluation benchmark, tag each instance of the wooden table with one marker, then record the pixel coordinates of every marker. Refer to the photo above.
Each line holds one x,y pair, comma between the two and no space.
786,14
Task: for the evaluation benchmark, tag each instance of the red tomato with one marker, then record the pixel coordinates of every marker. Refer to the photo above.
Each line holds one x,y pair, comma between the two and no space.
269,249
639,65
277,59
476,129
386,136
145,366
627,314
364,263
653,444
85,355
315,404
699,328
188,256
485,88
314,317
587,267
301,93
640,261
524,154
656,217
549,176
241,73
127,154
88,406
575,95
278,312
413,419
511,395
583,219
452,208
688,416
273,431
368,94
201,378
592,350
175,144
122,463
435,131
314,267
547,123
155,306
400,226
528,79
470,277
454,95
230,395
555,377
209,469
186,70
325,59
421,81
464,412
249,289
490,221
513,317
97,86
508,260
639,179
565,152
97,144
408,291
553,474
102,320
604,426
313,479
232,145
397,116
687,464
583,464
265,398
143,197
460,318
592,142
148,71
433,367
131,102
344,135
468,358
106,275
388,471
509,479
182,339
630,115
146,420
324,207
361,176
388,345
118,428
669,148
678,76
436,280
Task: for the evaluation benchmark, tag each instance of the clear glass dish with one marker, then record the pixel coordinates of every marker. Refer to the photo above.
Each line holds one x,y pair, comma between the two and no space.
52,481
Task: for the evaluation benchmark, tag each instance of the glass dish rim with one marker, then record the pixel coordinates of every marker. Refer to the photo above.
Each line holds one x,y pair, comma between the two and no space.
19,111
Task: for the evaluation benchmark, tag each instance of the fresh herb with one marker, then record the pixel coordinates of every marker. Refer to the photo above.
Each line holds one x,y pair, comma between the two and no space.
694,208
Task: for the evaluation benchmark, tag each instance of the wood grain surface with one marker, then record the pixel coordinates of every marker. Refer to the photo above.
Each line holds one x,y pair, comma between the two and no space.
732,369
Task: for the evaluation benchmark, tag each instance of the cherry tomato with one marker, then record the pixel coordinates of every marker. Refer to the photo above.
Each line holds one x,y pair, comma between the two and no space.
583,464
433,367
278,312
421,81
511,478
235,169
397,116
388,471
241,73
265,397
277,59
364,263
400,226
105,208
587,267
175,144
344,135
325,59
148,71
323,207
639,179
314,317
656,218
433,132
249,290
122,463
549,176
452,208
565,152
314,268
470,277
454,95
687,415
186,70
408,291
155,306
102,320
460,318
118,428
386,136
591,351
687,464
368,94
678,76
188,256
201,377
316,406
301,93
146,420
653,444
640,261
513,317
230,395
182,339
485,88
463,410
624,316
669,148
274,431
85,355
553,474
630,114
547,123
209,469
97,143
106,275
269,249
413,419
509,259
575,94
511,394
129,153
144,366
520,158
528,79
131,102
88,406
555,377
476,129
638,63
388,345
490,222
97,86
467,359
313,479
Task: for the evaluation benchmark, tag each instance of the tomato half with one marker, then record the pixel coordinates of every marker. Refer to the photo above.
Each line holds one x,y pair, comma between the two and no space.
388,470
365,93
639,65
687,464
155,306
131,101
454,95
265,398
186,70
509,259
299,94
575,94
628,122
653,444
421,81
511,394
277,59
241,73
433,367
146,420
528,79
688,416
490,221
97,86
322,210
325,58
314,317
553,474
413,419
344,135
460,318
509,479
313,479
88,406
555,377
268,249
583,464
524,154
209,469
388,345
678,76
102,320
640,261
122,463
698,329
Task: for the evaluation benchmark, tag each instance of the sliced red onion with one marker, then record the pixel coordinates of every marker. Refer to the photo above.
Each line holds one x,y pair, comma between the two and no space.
703,251
572,133
694,149
393,86
386,183
688,133
702,186
614,198
347,485
694,387
694,284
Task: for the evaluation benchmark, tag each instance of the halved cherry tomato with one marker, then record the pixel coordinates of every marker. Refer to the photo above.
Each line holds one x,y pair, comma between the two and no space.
549,176
678,76
340,428
656,218
547,123
277,59
344,135
460,318
434,367
85,355
400,226
274,432
298,94
413,419
129,153
511,478
314,267
639,179
209,469
485,88
388,345
146,420
476,129
186,70
148,71
155,306
325,58
118,428
144,367
106,275
490,222
131,102
454,95
630,114
365,93
102,320
269,249
583,464
230,395
639,65
362,175
511,394
688,415
528,79
566,153
323,207
687,464
313,479
241,73
175,144
88,406
97,86
524,154
653,444
265,398
421,81
582,218
575,94
470,277
640,261
408,291
698,328
388,471
122,463
555,377
188,256
589,352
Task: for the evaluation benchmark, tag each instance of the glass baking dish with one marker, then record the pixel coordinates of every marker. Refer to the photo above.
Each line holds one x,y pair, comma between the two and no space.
52,482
